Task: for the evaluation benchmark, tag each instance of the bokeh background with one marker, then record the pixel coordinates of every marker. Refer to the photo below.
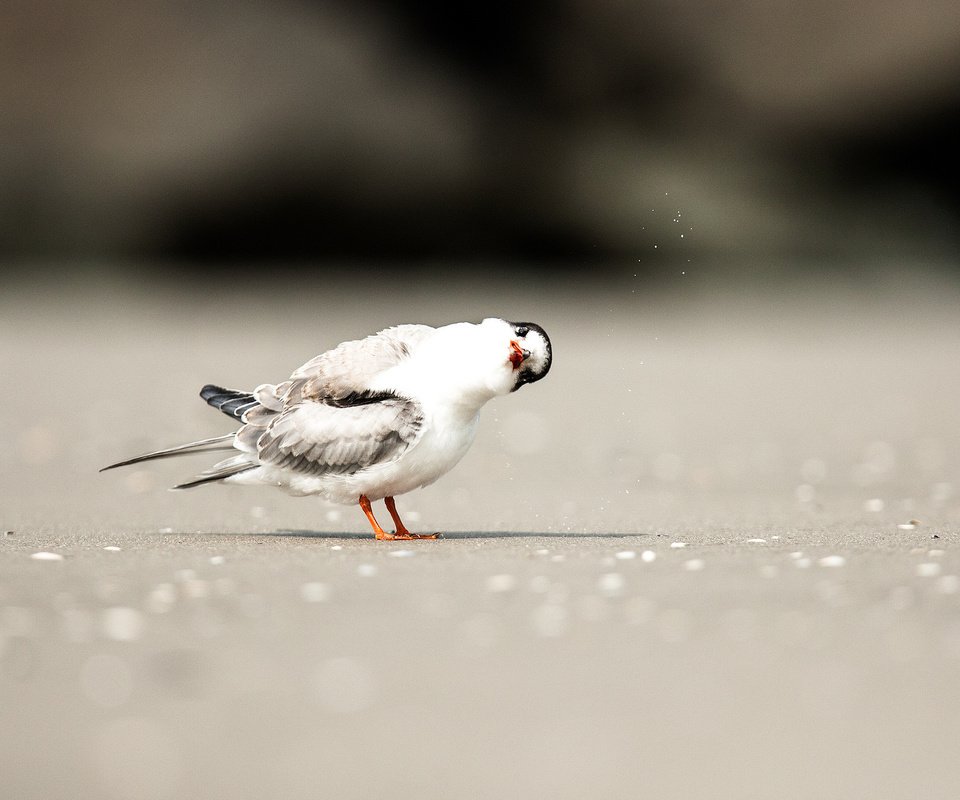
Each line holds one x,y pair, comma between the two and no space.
747,136
716,553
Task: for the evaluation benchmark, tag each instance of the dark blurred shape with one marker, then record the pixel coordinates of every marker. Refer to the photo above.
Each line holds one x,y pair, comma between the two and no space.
600,132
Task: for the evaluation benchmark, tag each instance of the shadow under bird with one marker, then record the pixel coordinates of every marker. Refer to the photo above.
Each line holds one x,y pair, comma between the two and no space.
373,418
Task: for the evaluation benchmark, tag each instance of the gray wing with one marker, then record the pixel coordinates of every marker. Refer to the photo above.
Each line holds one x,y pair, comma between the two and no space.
350,367
316,438
325,420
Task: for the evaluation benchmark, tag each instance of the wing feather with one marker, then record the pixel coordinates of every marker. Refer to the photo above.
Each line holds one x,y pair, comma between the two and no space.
316,438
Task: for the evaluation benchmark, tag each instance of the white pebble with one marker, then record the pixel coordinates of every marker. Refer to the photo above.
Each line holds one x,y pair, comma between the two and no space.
112,548
625,555
314,592
949,584
121,624
756,541
346,685
539,584
647,556
832,561
694,564
550,620
161,598
501,583
47,557
677,545
928,570
366,570
611,584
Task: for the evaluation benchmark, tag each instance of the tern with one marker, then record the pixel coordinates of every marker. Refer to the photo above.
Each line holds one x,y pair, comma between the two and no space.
372,418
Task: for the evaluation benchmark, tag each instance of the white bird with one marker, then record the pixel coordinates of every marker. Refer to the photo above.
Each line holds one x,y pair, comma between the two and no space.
373,418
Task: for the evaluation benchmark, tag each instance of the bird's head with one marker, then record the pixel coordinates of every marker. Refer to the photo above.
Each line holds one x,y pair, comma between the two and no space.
476,362
515,353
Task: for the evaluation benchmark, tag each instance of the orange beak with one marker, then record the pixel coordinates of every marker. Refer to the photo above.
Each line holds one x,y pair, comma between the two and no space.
517,354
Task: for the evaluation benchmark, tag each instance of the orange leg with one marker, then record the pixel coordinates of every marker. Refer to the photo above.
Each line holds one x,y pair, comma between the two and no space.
402,531
379,532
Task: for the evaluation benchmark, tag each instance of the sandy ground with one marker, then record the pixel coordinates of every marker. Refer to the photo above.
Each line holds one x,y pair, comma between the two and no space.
681,566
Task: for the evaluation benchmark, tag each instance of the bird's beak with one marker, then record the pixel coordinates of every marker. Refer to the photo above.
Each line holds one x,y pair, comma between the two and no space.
517,354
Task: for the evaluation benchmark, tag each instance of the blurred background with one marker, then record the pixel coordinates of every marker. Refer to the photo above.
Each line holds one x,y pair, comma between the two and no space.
746,136
723,532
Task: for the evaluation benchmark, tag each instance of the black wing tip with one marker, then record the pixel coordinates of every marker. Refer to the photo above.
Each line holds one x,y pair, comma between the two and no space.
231,402
210,390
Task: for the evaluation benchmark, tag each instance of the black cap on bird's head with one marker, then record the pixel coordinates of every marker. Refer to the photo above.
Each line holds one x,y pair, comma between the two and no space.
533,353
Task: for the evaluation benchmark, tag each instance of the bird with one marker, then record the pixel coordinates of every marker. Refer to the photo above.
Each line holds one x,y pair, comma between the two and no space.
372,418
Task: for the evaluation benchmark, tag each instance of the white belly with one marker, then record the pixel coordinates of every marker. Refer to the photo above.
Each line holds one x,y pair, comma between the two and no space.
443,443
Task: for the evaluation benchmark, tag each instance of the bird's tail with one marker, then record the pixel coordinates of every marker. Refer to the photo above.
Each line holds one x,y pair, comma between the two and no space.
224,442
231,402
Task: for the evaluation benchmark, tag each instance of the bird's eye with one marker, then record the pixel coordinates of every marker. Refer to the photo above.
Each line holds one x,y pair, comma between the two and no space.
522,330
